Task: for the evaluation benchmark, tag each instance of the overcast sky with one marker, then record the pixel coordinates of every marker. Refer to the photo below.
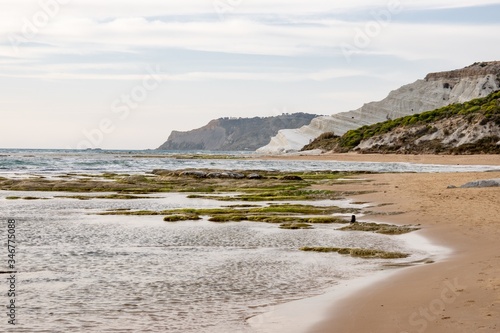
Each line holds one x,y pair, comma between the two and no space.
123,74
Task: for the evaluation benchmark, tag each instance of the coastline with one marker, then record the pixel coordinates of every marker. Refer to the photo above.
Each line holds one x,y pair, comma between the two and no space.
458,294
418,159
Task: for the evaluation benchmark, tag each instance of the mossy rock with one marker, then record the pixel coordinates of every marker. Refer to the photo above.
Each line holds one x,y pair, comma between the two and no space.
179,217
358,252
386,229
295,226
227,218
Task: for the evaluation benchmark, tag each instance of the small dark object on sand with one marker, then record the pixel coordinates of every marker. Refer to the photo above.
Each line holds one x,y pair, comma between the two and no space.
353,219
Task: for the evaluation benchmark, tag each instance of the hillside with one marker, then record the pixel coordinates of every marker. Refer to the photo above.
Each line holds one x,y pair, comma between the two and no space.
463,128
434,91
234,134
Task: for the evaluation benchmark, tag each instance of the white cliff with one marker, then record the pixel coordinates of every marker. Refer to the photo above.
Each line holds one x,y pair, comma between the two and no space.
435,91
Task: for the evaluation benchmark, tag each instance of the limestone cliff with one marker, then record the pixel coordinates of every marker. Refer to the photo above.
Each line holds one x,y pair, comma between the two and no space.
234,134
472,127
435,91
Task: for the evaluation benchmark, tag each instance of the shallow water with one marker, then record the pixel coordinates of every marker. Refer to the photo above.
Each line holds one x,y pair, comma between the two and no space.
57,161
90,273
83,272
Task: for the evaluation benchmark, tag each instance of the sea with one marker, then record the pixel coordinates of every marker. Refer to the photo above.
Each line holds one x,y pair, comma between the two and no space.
77,271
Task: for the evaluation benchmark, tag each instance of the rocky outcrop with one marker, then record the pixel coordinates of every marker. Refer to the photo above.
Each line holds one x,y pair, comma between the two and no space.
234,134
475,70
482,183
457,135
472,127
435,91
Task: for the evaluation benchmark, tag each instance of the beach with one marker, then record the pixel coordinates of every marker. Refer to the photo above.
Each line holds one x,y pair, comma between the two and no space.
387,158
246,276
458,294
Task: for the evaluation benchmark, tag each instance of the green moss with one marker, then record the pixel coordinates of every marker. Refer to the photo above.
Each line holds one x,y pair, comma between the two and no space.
24,198
283,195
325,220
387,229
279,213
274,185
110,196
206,189
180,217
227,218
358,252
486,107
295,226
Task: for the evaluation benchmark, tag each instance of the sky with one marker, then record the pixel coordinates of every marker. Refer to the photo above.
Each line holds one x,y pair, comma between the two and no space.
121,74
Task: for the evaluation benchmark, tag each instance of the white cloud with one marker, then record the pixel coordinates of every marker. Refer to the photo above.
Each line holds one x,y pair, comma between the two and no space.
100,49
61,72
155,8
459,44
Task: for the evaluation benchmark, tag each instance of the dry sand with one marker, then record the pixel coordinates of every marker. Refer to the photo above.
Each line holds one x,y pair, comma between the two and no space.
458,294
423,159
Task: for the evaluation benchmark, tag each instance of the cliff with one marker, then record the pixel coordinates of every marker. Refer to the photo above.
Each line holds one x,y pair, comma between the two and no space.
234,134
434,91
463,128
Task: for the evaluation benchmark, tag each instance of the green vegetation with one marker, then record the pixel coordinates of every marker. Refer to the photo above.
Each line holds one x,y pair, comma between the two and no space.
387,229
488,106
295,226
289,216
484,110
357,252
326,141
181,217
272,185
109,196
276,195
24,198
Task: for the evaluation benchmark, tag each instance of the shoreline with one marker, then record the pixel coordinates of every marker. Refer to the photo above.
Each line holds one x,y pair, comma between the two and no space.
302,315
417,159
463,219
458,294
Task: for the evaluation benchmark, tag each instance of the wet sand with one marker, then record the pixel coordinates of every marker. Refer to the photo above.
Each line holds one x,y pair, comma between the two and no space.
458,294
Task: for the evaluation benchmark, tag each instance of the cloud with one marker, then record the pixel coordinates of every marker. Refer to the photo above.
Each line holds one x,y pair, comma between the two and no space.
223,52
238,36
157,8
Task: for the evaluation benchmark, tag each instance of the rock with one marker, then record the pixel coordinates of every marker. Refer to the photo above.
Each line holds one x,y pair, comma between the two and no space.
435,91
292,177
482,183
451,186
234,134
161,172
134,179
217,175
254,176
233,175
236,175
194,173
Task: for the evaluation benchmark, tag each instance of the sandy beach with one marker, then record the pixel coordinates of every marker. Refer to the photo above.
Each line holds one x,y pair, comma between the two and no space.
458,294
419,159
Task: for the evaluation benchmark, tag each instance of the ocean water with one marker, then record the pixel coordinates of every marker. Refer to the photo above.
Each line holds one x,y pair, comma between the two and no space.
82,272
120,161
